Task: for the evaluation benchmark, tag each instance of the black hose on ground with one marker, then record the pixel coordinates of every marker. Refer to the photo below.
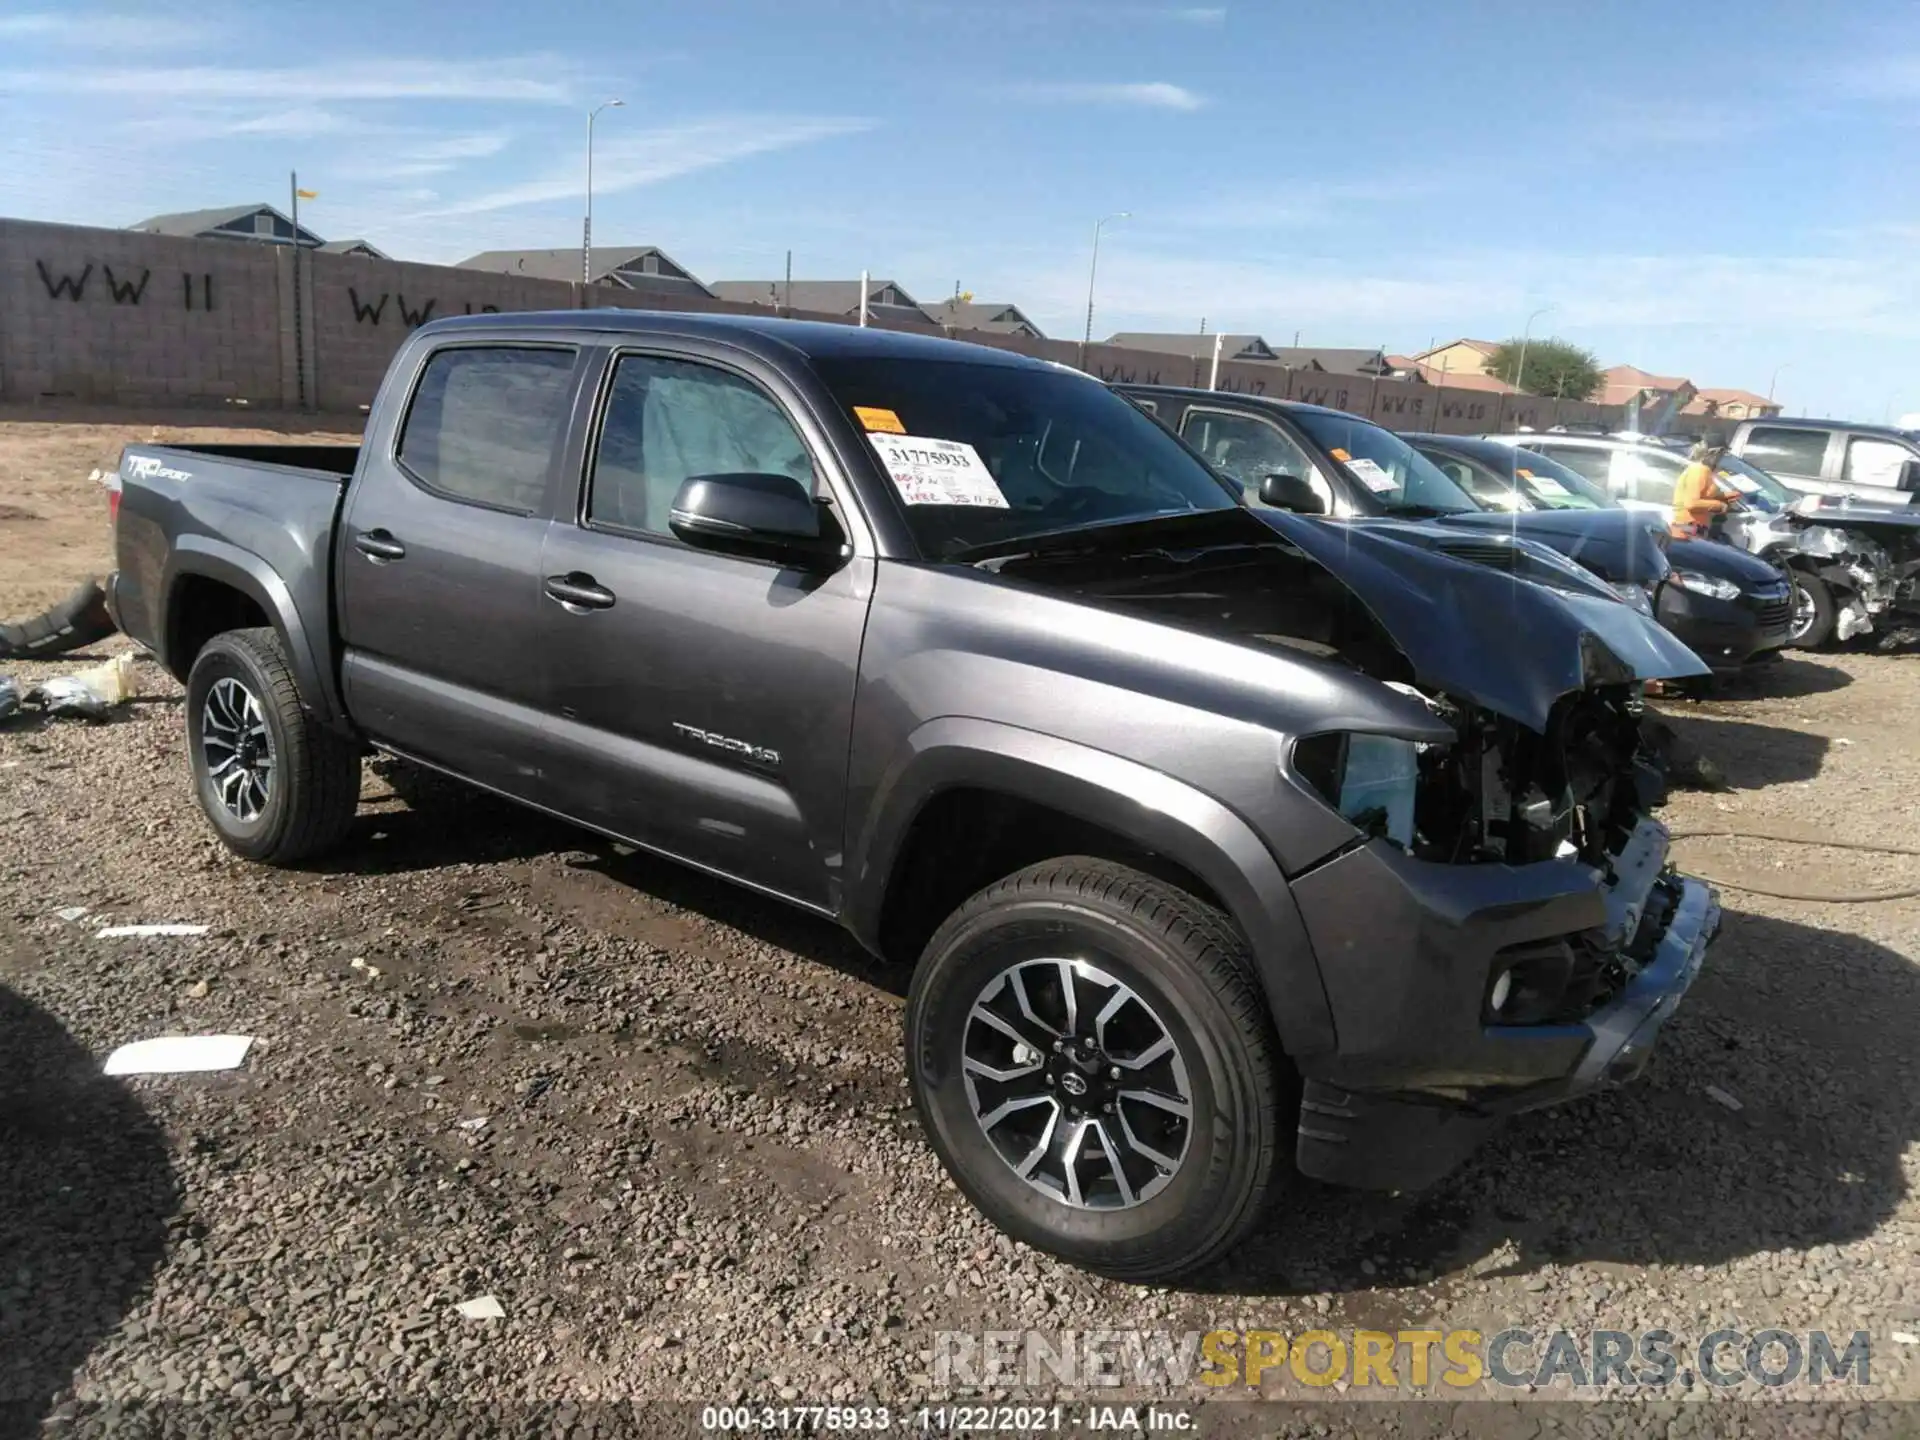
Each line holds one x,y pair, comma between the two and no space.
1864,897
77,621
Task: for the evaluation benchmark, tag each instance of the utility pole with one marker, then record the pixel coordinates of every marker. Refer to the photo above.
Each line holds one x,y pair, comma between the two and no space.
1093,273
586,232
1213,376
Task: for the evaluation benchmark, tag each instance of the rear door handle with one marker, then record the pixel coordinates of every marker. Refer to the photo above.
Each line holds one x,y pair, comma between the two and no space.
579,593
379,546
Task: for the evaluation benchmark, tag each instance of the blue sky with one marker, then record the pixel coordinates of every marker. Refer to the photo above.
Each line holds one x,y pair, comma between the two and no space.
1711,190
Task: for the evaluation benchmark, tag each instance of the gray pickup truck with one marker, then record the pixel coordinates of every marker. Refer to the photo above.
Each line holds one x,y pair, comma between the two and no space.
1207,835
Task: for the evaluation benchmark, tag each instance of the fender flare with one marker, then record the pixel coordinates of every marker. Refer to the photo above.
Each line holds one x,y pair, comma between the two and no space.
1145,806
208,558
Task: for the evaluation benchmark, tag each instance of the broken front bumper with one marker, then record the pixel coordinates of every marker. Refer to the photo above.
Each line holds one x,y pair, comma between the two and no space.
1409,950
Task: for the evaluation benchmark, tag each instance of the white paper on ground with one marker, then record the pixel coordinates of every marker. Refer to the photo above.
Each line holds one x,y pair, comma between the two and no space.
937,472
71,913
483,1307
121,932
179,1055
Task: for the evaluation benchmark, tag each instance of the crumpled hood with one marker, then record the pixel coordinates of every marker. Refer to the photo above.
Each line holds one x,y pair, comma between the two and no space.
1623,545
1480,632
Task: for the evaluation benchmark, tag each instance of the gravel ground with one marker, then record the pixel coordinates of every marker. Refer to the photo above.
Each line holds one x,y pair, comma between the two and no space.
663,1123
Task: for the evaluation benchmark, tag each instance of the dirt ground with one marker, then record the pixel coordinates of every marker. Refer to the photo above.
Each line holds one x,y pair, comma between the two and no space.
663,1123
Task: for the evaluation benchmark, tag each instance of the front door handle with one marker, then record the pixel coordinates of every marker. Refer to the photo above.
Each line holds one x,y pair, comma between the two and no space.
579,592
379,546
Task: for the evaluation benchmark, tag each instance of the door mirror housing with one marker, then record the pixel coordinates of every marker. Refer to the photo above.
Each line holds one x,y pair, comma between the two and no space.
770,517
1284,491
1910,476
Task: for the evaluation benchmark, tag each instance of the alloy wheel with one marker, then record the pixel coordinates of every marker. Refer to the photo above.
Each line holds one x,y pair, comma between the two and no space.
1077,1083
237,748
1804,611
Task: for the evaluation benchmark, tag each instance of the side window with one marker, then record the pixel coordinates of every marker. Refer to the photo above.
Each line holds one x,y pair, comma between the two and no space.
1494,493
1784,451
1876,462
669,420
484,423
1645,478
1248,450
1594,464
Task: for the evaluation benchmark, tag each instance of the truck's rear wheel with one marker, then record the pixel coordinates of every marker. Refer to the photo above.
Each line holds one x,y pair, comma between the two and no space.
1095,1066
277,786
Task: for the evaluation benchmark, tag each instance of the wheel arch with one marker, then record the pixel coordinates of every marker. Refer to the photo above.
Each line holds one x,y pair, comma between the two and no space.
922,849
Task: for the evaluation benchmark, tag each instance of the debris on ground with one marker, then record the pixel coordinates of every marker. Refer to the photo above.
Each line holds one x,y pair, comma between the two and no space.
479,1122
80,619
89,694
179,1055
9,697
131,932
1721,1097
481,1307
71,913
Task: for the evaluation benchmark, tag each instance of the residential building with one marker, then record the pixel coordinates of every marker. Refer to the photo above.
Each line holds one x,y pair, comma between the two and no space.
1458,357
1630,385
646,269
1000,319
363,248
886,299
259,223
1197,344
1716,404
1372,363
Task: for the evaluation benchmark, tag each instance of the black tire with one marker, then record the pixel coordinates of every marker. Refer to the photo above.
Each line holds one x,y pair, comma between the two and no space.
1818,629
307,801
80,619
1188,965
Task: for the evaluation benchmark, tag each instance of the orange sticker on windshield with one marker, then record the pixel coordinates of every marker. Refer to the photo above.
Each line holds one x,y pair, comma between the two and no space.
1340,455
1524,472
883,422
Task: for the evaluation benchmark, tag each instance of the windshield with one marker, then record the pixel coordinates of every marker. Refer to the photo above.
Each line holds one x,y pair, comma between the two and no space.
1400,479
1756,485
983,454
1553,486
1515,479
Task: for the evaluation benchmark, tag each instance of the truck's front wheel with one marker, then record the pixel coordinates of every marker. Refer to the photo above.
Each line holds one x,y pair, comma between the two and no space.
277,786
1813,611
1096,1068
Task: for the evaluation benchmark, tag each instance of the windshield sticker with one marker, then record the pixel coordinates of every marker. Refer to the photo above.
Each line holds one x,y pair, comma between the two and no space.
1740,482
1369,474
1342,456
884,422
1546,484
937,472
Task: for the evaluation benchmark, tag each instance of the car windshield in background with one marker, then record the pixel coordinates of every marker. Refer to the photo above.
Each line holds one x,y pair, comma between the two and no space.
1553,486
1398,476
1766,493
984,454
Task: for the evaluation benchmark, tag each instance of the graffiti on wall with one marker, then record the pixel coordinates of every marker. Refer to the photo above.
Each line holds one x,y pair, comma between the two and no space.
1333,398
119,288
369,312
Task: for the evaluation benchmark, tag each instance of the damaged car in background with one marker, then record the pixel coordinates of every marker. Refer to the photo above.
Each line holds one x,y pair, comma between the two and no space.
1205,837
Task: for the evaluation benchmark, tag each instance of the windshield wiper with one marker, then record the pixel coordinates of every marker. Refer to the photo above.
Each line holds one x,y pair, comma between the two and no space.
1427,512
1069,538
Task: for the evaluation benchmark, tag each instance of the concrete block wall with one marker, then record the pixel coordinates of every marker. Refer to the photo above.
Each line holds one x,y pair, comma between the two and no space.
120,316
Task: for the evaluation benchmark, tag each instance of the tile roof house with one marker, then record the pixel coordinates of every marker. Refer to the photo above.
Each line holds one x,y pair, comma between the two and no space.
1197,345
363,248
646,269
1458,357
982,315
1730,405
1333,361
261,224
1628,385
886,299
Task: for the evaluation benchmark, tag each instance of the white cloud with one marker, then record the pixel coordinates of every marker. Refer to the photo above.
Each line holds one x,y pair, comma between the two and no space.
1197,14
630,160
1155,94
523,80
98,31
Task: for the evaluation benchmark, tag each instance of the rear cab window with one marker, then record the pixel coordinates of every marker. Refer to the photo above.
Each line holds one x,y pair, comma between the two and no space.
484,424
1786,450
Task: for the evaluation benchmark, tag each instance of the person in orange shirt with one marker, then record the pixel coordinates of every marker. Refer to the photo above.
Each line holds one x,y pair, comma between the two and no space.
1697,496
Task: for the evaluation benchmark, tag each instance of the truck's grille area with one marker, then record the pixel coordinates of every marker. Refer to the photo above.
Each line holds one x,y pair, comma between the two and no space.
1562,982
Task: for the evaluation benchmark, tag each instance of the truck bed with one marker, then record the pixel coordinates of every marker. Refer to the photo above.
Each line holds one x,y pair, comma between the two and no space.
256,518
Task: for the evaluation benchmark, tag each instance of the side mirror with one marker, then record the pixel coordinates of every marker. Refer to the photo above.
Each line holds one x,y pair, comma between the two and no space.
1910,475
1289,492
771,517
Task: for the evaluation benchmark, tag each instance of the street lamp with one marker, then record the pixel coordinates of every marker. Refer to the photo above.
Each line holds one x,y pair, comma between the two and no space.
1783,365
1093,272
586,234
1520,372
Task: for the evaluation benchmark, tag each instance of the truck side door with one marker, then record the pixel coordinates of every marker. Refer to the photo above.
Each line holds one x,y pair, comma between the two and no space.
439,562
702,703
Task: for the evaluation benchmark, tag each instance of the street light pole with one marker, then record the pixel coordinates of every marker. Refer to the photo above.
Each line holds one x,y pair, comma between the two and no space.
1093,272
1783,365
1520,372
586,233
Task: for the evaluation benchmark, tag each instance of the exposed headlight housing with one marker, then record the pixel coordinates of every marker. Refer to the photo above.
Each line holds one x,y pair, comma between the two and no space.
1712,586
1822,541
1638,596
1370,779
